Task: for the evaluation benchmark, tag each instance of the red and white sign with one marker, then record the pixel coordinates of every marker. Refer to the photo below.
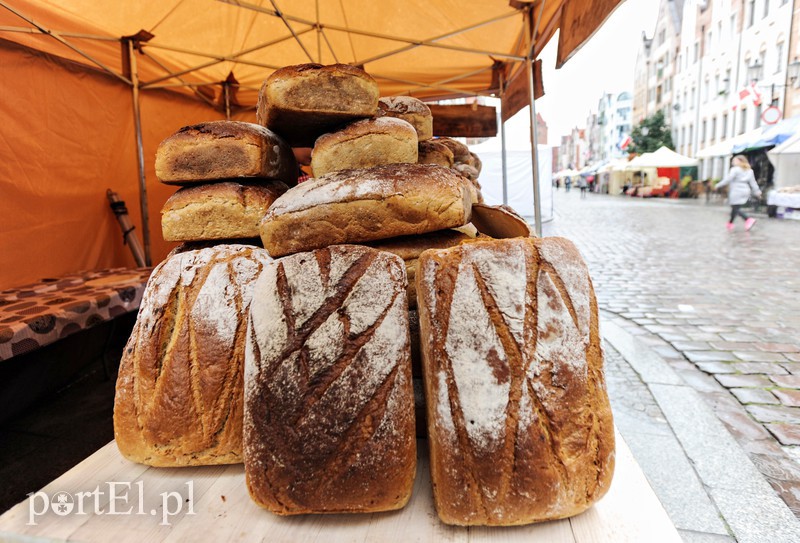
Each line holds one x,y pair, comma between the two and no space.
771,115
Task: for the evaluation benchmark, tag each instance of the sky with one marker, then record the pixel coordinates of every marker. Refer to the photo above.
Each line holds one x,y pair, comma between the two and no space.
604,64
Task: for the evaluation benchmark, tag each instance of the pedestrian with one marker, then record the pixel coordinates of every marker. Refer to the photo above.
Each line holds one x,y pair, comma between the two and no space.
582,186
741,185
568,183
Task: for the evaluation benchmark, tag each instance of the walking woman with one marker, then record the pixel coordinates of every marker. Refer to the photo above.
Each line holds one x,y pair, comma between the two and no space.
741,185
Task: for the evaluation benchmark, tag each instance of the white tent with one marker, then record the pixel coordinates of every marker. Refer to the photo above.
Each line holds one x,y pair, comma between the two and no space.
786,159
519,176
662,158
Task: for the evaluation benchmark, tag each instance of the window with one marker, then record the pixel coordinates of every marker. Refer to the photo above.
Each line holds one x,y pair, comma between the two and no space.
703,131
705,90
662,36
713,134
723,129
766,8
757,118
728,82
691,103
751,14
716,85
683,138
685,101
691,137
733,25
778,56
696,51
743,123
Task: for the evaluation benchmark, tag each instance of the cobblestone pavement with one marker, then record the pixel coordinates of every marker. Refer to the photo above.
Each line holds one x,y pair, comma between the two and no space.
722,308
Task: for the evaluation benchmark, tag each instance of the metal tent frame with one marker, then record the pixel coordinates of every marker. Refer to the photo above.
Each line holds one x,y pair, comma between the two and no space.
529,41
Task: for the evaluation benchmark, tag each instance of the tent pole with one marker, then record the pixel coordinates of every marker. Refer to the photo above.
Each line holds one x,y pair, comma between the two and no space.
226,87
503,156
137,119
537,205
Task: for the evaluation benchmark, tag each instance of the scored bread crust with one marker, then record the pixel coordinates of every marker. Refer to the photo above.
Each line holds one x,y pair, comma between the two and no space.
364,144
329,407
410,247
412,110
460,151
353,206
304,101
225,210
217,150
519,424
179,393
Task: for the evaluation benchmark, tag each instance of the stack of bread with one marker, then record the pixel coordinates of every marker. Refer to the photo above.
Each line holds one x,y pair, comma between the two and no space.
296,358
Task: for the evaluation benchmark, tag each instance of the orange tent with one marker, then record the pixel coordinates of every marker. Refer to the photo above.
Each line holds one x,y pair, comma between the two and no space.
90,88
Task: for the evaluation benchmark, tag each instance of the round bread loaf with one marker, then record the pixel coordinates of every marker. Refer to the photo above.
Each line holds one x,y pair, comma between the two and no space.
305,101
227,210
218,150
476,162
353,206
435,152
411,110
364,144
460,151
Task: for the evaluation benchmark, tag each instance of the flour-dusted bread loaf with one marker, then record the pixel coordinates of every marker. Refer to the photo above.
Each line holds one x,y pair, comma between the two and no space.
410,247
354,206
219,150
329,406
227,210
303,102
412,110
179,397
435,152
364,144
519,424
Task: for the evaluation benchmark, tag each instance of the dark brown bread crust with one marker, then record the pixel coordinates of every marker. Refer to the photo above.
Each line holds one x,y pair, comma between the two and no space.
180,386
329,409
435,152
519,424
411,110
305,101
219,150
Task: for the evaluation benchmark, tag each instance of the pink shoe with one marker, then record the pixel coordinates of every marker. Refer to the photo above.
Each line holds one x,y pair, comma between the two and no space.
748,224
729,226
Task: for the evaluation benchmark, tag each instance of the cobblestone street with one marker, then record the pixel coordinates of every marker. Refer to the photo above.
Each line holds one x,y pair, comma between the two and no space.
722,308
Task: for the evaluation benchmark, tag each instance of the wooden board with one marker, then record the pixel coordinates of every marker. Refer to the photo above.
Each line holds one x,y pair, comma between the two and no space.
219,509
464,121
517,93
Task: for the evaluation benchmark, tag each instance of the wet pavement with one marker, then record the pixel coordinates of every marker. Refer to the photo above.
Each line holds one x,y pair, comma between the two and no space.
722,309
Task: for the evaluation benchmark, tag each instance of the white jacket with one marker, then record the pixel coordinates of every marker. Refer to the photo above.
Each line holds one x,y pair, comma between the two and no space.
742,185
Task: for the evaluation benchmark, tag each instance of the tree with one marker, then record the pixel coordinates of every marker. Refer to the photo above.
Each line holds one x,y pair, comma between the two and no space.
650,135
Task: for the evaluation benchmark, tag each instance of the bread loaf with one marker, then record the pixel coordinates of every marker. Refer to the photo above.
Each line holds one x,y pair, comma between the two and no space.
435,152
364,144
179,390
410,247
411,110
219,150
226,210
329,412
353,206
303,102
460,151
519,424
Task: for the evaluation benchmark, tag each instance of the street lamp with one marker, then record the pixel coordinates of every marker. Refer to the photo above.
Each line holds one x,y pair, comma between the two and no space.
755,71
793,71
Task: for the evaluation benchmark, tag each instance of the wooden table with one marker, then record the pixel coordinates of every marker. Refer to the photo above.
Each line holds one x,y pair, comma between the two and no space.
217,508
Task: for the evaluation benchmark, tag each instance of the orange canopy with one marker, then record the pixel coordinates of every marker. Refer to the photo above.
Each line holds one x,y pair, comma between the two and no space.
68,129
